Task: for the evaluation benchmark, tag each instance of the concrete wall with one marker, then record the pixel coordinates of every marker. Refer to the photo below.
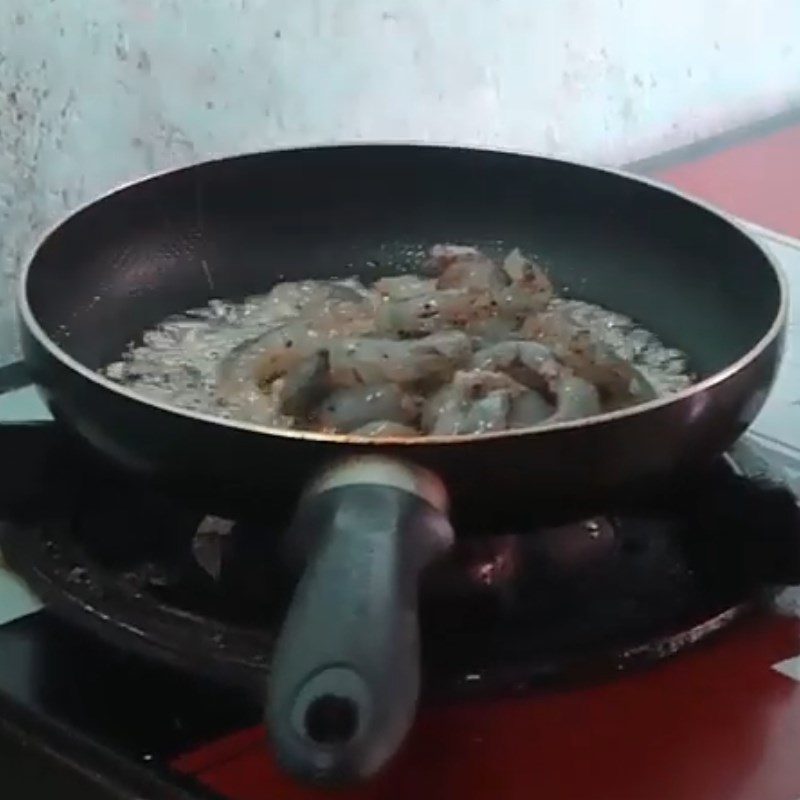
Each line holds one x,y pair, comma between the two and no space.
93,92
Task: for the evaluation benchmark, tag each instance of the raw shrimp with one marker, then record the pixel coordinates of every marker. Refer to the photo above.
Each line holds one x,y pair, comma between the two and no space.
475,401
471,344
426,313
529,409
530,288
403,287
288,343
530,363
269,356
488,330
305,386
251,404
369,361
351,408
384,428
575,399
618,382
468,269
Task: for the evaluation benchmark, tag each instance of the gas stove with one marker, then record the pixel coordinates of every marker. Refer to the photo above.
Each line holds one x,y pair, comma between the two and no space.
144,671
500,614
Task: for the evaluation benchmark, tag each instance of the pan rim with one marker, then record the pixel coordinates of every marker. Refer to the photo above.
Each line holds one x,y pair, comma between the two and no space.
33,327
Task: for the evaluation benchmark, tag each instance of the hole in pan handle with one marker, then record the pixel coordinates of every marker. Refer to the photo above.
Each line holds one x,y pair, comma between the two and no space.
343,687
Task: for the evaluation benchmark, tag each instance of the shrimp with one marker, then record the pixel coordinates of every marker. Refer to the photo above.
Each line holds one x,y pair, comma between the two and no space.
459,416
244,400
476,401
488,413
575,399
472,345
305,386
479,401
517,300
491,330
530,289
528,410
269,356
529,363
351,408
466,268
287,343
620,384
370,361
382,427
432,311
344,308
404,287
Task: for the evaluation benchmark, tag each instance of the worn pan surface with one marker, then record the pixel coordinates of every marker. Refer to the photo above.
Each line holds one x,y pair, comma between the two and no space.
237,226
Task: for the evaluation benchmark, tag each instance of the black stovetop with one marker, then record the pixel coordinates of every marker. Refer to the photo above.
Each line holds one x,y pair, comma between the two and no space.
153,644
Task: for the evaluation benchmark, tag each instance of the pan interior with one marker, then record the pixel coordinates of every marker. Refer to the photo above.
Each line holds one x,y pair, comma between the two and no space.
236,227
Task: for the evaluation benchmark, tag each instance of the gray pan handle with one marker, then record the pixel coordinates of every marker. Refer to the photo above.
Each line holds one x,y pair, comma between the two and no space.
345,678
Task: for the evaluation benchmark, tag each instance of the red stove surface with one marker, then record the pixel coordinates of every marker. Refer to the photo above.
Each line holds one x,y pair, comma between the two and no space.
756,179
716,723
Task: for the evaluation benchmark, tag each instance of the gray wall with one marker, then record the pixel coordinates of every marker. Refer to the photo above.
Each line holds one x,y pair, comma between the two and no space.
95,92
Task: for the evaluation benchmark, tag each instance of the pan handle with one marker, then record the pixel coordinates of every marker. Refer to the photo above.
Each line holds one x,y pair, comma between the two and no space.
345,677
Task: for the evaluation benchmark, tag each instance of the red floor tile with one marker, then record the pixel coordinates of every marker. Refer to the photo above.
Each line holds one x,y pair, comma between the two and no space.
758,180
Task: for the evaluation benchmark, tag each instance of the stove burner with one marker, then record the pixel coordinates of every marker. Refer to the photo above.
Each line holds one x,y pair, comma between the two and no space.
501,614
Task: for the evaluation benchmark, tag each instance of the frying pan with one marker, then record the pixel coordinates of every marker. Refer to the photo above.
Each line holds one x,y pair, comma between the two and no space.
369,515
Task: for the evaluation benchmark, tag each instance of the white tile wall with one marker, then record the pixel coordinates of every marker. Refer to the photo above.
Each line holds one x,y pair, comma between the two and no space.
95,92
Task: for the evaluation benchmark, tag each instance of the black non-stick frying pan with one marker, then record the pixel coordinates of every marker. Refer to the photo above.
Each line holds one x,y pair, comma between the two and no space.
345,678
